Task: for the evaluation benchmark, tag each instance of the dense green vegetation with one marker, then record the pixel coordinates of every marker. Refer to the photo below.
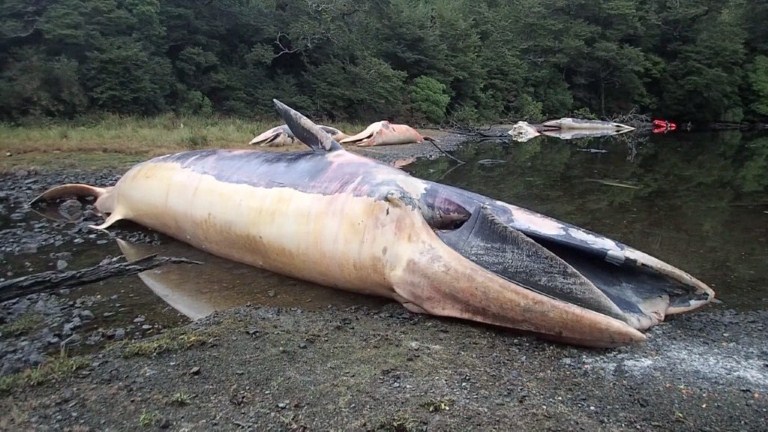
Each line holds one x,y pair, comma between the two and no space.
417,60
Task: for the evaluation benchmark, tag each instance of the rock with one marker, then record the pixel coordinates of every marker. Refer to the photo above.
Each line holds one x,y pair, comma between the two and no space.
119,334
139,319
70,326
95,337
35,358
62,255
61,265
28,248
40,307
71,209
86,315
195,370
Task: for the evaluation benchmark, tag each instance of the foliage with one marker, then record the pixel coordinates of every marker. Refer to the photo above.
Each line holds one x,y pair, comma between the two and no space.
757,79
423,60
429,98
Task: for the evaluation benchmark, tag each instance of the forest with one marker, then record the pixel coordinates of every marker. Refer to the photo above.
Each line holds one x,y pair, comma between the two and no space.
455,62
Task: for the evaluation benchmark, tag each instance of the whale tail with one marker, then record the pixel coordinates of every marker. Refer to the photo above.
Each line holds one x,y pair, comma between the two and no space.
47,204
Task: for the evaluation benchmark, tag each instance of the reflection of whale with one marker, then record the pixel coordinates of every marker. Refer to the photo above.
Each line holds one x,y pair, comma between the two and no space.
569,134
219,284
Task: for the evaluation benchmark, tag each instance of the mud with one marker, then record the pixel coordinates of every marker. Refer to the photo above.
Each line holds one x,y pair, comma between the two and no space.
338,368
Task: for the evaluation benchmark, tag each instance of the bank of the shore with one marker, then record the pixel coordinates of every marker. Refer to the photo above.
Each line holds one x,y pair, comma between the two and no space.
268,369
381,368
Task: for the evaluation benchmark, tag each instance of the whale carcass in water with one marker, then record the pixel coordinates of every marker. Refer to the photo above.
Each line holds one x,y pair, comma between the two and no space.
572,124
567,129
386,133
280,136
345,221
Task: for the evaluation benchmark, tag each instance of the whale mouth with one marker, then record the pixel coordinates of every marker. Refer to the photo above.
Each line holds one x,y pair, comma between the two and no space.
358,139
271,139
633,292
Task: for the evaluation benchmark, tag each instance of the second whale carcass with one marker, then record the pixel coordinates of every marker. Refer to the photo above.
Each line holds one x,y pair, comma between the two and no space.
342,220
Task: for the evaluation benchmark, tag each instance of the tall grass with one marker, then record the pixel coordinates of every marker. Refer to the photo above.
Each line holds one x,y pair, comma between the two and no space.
136,135
130,135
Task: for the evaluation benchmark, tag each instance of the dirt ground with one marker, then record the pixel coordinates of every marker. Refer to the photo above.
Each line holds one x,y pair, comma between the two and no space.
375,368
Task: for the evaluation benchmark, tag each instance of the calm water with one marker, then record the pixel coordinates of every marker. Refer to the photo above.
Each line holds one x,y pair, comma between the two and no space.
698,201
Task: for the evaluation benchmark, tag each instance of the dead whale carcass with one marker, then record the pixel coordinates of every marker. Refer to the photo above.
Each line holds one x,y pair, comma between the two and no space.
568,123
345,221
386,133
280,136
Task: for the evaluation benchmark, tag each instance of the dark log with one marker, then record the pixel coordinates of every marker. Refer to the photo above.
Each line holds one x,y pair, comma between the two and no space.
52,280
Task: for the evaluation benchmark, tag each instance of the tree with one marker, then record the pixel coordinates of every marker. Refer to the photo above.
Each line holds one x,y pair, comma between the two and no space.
429,98
757,78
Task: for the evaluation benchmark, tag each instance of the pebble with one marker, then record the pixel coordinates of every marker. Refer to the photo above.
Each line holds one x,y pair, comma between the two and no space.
195,370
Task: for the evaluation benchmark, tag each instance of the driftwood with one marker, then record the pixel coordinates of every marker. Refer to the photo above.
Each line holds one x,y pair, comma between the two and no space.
51,280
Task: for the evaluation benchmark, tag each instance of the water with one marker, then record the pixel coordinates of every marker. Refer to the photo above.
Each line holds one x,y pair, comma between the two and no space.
697,201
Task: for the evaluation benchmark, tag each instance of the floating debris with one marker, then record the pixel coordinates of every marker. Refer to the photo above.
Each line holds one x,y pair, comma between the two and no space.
614,183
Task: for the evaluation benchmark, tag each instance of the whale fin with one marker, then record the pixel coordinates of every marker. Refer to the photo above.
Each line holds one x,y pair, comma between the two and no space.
47,203
278,136
305,130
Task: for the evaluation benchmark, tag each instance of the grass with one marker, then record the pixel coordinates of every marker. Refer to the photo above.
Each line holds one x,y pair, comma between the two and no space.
398,424
22,325
164,343
116,141
438,405
180,399
52,370
171,341
147,418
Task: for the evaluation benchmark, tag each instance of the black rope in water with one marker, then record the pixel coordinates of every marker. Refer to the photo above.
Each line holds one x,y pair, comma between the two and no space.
434,143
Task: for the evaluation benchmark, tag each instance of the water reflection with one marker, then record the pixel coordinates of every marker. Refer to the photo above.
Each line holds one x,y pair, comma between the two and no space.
699,201
219,284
